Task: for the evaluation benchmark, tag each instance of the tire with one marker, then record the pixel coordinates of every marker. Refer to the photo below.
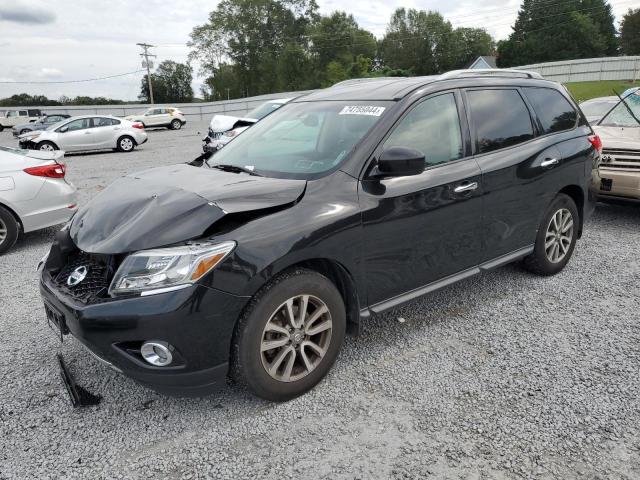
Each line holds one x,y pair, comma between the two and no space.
249,363
126,144
1,128
175,125
9,230
549,260
46,146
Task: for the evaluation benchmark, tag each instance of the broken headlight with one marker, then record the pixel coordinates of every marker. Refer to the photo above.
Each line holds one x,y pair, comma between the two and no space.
164,269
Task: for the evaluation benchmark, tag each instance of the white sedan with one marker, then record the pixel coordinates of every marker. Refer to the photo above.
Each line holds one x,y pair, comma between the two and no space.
169,117
34,193
88,132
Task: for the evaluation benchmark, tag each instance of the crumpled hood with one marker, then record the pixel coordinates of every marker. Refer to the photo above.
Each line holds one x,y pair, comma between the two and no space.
619,137
166,205
222,123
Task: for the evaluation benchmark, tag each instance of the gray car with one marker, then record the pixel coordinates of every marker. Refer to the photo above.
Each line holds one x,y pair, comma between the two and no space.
41,124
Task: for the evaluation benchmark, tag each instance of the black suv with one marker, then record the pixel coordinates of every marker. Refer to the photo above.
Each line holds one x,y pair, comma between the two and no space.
342,204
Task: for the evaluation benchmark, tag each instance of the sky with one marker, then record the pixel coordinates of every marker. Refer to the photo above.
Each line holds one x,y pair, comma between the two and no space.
42,40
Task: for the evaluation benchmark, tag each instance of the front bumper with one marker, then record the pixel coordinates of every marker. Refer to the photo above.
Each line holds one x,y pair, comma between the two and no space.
197,321
624,183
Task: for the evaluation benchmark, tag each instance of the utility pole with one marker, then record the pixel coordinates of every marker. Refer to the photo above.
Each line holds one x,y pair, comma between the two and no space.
145,49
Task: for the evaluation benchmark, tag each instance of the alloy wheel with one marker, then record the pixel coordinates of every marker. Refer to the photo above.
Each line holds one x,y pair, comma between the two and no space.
559,236
126,144
46,147
3,232
296,338
176,125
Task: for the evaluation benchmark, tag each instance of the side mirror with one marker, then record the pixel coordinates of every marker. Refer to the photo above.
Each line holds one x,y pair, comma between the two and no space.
63,129
400,162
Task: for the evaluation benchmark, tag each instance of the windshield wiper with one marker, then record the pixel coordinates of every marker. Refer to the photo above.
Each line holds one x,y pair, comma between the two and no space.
234,168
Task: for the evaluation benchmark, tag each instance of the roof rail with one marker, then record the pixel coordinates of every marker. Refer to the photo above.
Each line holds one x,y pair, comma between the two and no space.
490,72
354,81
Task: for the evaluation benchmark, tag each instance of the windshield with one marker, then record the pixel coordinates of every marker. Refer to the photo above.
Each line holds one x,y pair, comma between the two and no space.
623,113
597,109
302,140
263,110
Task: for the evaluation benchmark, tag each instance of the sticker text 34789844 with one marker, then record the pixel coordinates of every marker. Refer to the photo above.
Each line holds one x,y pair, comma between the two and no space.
362,110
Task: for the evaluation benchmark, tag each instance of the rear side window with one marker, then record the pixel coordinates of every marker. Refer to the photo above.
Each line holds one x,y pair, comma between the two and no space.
433,128
553,110
500,118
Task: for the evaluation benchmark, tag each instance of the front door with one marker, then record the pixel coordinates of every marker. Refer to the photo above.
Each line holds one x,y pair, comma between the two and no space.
420,229
76,135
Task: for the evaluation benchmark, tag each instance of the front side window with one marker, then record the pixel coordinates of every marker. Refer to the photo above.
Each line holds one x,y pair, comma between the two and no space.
79,124
302,140
625,114
433,128
500,117
12,114
553,110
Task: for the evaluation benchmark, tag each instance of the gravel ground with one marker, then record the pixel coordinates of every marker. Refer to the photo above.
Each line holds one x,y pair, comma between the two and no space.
506,375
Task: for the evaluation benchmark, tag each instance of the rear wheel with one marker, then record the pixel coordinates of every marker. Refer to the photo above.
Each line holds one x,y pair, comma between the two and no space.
289,336
557,236
126,144
46,146
8,230
175,125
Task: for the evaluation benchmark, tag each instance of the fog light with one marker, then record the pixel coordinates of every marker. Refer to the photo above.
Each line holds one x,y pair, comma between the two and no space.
156,353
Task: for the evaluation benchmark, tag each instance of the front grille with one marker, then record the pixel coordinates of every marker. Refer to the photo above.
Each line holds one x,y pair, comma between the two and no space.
93,286
618,158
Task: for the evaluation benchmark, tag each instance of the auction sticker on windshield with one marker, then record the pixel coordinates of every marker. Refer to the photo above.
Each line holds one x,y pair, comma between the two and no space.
362,110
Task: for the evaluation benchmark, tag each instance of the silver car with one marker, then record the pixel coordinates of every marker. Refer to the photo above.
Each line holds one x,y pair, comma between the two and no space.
34,193
88,132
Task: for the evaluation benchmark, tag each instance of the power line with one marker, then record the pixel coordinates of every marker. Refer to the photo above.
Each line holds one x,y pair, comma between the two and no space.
48,82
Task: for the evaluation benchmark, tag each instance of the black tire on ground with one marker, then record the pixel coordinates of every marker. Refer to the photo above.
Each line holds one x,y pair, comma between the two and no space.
175,125
126,144
9,230
247,357
539,261
46,145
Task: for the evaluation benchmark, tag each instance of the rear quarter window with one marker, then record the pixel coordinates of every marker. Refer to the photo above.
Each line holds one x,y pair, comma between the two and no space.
554,111
500,118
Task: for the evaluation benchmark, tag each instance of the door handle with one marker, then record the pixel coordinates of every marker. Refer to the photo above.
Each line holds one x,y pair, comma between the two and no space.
549,162
88,132
467,187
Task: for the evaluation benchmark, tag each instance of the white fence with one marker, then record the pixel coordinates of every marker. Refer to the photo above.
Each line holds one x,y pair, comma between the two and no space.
588,69
193,111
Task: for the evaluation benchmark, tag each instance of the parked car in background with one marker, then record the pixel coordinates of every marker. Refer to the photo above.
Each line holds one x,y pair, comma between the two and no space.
18,116
224,128
87,132
620,133
342,204
34,193
40,124
169,117
596,108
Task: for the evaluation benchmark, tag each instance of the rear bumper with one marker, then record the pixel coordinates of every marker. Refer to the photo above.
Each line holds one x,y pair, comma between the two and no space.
197,321
625,183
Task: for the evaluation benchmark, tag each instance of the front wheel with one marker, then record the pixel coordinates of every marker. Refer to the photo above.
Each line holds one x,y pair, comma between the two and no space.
46,146
126,144
556,239
289,336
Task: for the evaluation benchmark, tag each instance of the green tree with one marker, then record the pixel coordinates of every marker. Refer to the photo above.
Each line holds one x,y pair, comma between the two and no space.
630,32
550,30
171,83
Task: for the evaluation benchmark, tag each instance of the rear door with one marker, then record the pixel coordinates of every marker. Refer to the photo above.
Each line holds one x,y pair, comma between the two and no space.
519,167
419,229
104,132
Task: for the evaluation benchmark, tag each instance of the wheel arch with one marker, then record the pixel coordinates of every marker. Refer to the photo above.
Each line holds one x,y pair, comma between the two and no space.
577,194
127,136
47,141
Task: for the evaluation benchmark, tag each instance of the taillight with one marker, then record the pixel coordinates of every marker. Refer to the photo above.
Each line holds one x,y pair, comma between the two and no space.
138,125
56,170
596,142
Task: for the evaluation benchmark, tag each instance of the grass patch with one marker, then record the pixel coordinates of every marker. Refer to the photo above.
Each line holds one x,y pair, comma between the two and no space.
582,91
